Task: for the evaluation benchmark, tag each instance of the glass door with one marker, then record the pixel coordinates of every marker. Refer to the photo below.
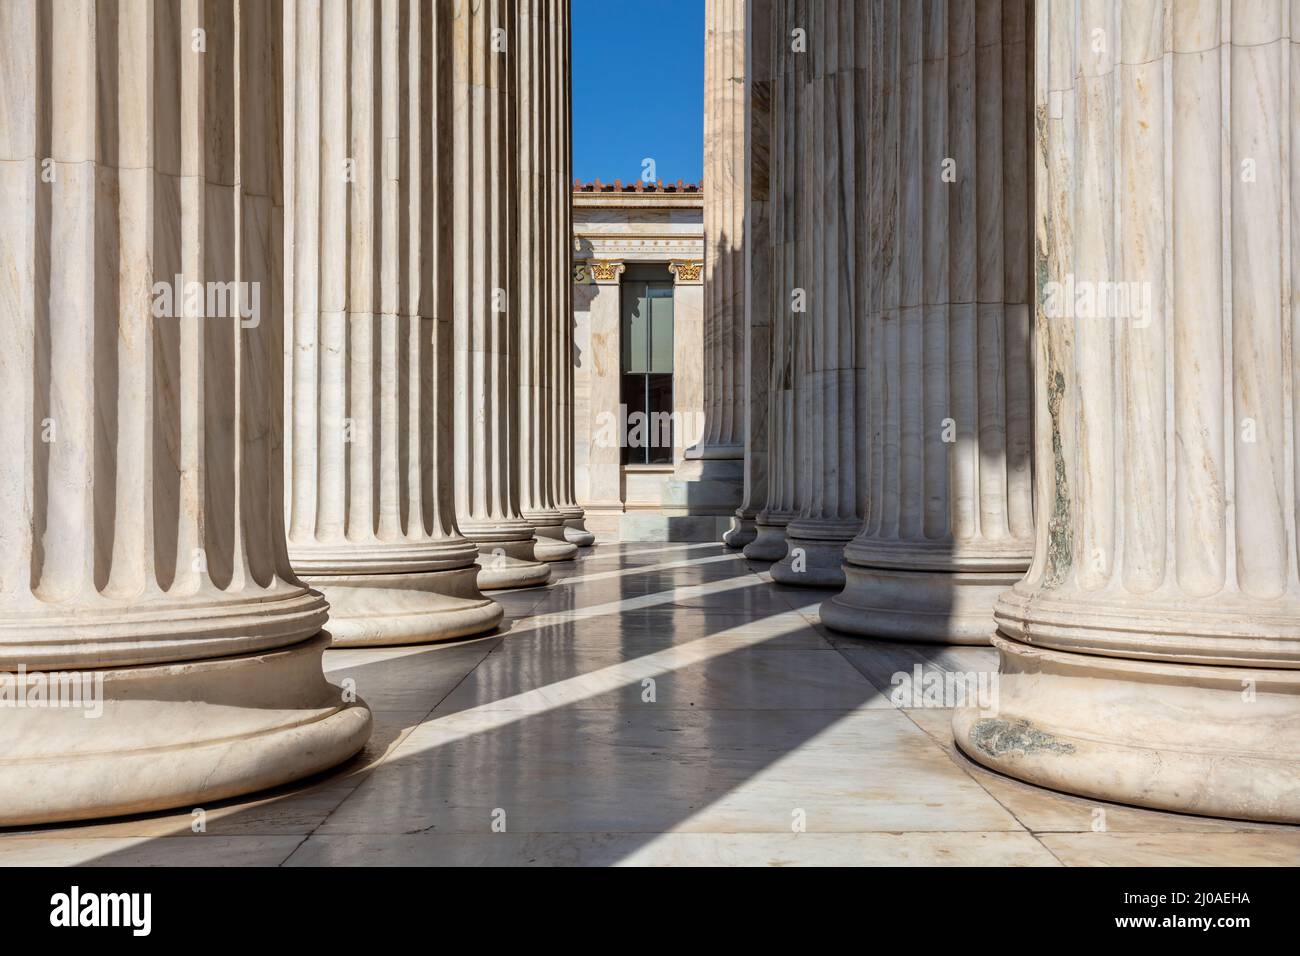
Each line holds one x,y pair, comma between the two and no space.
647,372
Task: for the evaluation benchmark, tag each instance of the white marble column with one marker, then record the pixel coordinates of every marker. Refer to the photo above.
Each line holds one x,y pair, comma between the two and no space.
486,281
757,268
715,462
776,256
559,180
826,115
540,275
946,494
1152,654
142,551
710,474
371,521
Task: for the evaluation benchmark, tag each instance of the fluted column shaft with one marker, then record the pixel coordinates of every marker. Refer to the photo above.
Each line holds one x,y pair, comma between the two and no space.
141,523
827,112
486,298
540,276
724,231
559,183
947,490
371,519
773,18
756,264
1152,653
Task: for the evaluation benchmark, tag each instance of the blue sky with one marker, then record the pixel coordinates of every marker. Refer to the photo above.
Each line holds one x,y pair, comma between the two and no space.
638,78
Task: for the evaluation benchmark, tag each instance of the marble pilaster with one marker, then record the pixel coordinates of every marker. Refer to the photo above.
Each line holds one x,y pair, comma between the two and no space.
142,549
946,490
688,343
1151,655
371,520
599,291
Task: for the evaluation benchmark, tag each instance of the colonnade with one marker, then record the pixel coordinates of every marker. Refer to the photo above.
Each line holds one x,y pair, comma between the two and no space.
287,322
945,433
1152,653
999,317
1026,272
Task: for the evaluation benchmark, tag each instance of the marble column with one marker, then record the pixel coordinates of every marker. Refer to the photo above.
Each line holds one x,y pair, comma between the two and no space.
540,275
774,257
486,281
716,462
757,268
143,569
371,521
947,489
724,231
826,114
558,183
1151,655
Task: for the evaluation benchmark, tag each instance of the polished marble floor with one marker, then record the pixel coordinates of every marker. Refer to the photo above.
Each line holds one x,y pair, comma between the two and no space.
657,704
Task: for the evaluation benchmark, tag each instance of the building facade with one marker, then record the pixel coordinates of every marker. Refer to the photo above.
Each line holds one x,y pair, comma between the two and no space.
640,320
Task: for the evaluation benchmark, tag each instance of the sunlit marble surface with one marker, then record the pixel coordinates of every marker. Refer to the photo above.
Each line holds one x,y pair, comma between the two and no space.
761,720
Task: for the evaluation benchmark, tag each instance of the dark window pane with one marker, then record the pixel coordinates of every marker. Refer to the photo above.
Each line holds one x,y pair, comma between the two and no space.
634,441
660,420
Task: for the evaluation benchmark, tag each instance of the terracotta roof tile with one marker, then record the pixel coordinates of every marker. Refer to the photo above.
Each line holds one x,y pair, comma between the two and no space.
640,186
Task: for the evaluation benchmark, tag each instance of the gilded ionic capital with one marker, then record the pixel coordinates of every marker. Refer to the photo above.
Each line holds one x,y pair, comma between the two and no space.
687,271
605,271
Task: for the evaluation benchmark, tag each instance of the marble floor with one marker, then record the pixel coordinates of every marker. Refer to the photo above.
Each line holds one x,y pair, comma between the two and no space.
657,704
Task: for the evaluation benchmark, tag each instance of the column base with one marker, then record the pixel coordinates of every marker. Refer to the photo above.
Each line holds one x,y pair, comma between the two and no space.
510,564
943,607
575,532
176,735
743,531
1192,738
552,544
769,542
815,555
410,608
